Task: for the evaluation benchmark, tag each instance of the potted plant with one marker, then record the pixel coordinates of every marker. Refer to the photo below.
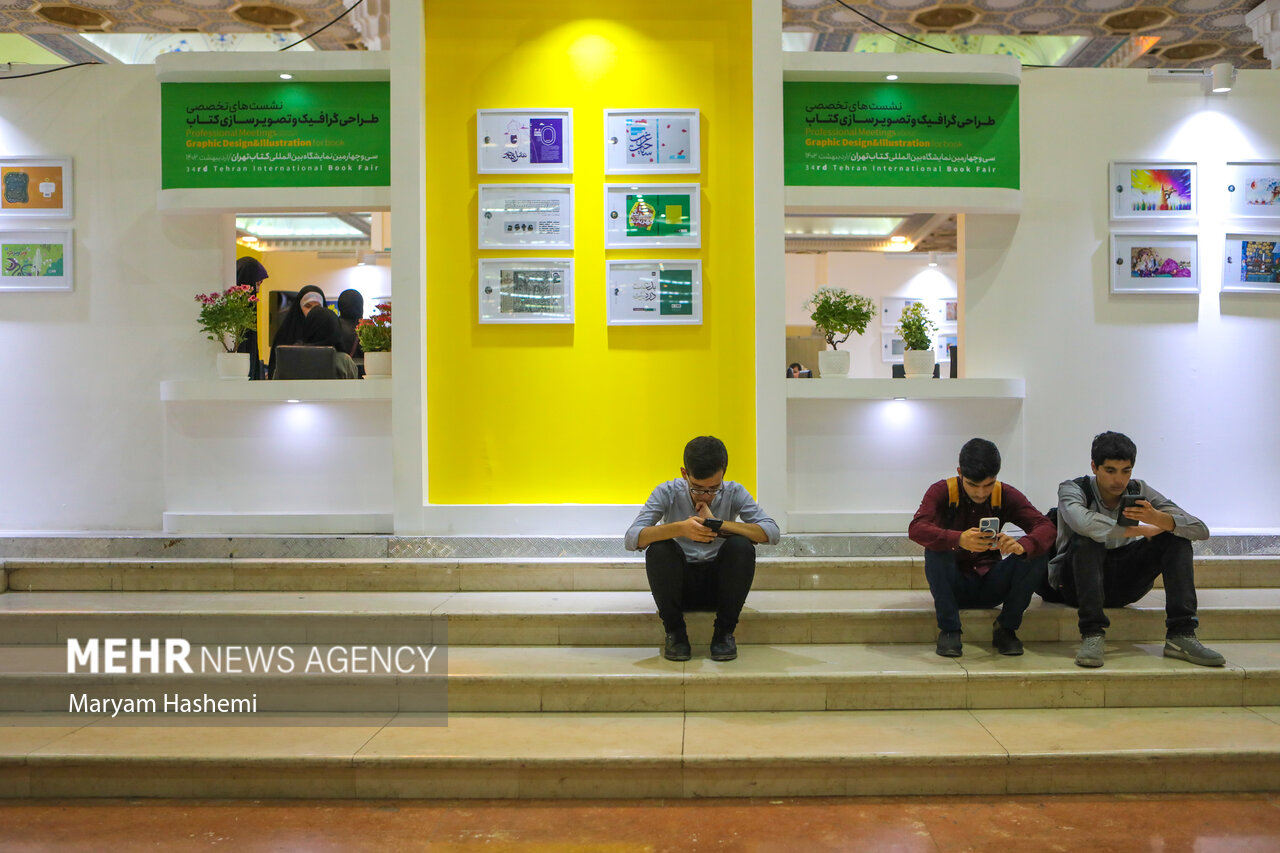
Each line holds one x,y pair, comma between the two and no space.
375,339
837,314
227,317
916,330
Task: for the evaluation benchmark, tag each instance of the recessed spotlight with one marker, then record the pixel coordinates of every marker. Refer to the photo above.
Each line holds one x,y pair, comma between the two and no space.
933,259
891,76
897,238
293,401
286,76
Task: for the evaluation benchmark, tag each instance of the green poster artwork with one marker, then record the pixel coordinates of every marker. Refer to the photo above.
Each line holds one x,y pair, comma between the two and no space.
901,134
323,134
658,215
31,259
676,292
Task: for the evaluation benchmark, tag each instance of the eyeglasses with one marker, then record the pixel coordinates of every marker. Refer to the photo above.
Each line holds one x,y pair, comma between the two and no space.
698,490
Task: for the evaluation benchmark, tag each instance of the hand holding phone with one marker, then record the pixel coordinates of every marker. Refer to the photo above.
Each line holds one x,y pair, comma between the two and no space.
1128,501
990,528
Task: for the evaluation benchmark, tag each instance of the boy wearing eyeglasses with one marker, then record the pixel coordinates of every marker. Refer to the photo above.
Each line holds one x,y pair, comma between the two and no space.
697,557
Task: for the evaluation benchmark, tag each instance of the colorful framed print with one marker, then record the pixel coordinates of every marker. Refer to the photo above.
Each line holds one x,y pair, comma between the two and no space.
1154,263
530,141
645,142
526,290
652,216
1251,263
943,340
950,310
35,187
654,293
1152,190
35,260
533,216
1253,189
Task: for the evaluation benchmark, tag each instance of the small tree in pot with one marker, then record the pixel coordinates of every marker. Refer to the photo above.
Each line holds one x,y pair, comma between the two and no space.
836,314
916,329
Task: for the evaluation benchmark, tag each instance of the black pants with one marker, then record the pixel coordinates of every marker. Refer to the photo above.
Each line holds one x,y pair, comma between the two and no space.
1094,578
720,585
1009,584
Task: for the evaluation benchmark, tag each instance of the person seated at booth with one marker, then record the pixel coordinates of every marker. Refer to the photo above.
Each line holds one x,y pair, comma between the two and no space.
290,331
696,556
320,329
969,567
251,272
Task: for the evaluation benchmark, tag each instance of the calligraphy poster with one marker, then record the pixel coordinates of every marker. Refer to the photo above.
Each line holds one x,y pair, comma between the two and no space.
524,141
652,216
901,134
514,216
653,293
322,134
651,141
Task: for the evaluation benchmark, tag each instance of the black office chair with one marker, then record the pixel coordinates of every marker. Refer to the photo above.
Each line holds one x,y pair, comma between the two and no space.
305,362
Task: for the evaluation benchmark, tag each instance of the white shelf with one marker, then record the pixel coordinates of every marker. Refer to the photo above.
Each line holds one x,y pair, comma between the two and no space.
910,389
278,391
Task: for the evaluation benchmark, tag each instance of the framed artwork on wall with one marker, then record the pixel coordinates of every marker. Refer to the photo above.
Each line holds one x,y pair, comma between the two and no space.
1153,190
891,308
652,216
526,216
34,260
1251,263
891,348
1253,189
654,293
32,186
1154,263
529,141
651,142
526,290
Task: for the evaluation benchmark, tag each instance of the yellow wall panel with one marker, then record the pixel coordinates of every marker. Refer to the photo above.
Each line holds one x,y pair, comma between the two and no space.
586,413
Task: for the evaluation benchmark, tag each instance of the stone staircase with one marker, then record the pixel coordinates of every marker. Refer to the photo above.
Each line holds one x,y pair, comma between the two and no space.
556,687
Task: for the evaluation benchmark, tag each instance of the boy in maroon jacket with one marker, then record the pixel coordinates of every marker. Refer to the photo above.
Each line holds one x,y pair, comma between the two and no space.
969,568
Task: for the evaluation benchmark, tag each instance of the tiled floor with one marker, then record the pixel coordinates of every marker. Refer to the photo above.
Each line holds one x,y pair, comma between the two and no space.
1242,823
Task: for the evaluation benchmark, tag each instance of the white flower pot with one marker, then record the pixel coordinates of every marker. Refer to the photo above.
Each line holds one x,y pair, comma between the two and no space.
918,364
833,364
233,365
377,364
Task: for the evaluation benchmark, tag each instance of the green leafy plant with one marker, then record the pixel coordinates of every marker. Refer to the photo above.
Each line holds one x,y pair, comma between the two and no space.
836,311
915,328
375,332
228,316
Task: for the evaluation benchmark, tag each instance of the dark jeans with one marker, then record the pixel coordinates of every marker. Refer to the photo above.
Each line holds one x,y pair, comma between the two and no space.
720,585
1009,584
1094,578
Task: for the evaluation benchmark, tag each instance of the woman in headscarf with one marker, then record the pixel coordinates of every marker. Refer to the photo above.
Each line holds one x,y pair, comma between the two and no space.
350,312
290,331
320,328
251,272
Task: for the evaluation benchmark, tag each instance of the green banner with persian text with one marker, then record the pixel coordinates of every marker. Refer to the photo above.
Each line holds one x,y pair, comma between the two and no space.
901,134
322,134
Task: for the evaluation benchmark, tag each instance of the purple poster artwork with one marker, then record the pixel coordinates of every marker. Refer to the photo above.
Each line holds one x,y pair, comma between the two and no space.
546,142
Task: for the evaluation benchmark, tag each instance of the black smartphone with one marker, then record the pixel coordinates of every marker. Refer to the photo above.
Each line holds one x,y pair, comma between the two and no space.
1127,501
713,523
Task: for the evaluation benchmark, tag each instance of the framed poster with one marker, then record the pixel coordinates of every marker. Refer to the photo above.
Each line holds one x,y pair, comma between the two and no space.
1251,263
1154,263
951,310
652,216
891,308
526,290
524,141
35,187
533,216
654,293
1153,189
1253,188
651,142
943,339
38,259
891,347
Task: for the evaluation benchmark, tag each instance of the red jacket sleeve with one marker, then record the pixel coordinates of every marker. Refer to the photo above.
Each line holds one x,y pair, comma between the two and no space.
1040,532
926,527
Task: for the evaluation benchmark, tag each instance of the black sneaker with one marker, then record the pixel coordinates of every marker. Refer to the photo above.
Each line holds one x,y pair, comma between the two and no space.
1006,642
677,647
723,647
949,644
1187,647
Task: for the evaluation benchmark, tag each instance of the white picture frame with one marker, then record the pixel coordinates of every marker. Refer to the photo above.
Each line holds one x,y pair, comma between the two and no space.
1239,256
1154,263
625,219
1253,189
891,347
529,141
526,290
39,187
891,308
1153,190
651,142
36,259
652,292
525,216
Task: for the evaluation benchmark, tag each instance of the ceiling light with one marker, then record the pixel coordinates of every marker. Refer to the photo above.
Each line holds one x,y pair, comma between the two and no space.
286,76
1223,73
897,238
933,259
891,76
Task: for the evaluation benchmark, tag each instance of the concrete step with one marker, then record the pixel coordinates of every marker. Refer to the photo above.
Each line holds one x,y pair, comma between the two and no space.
572,618
483,574
661,754
638,679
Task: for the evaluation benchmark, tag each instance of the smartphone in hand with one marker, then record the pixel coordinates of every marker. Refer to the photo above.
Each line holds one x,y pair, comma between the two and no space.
1127,501
990,527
